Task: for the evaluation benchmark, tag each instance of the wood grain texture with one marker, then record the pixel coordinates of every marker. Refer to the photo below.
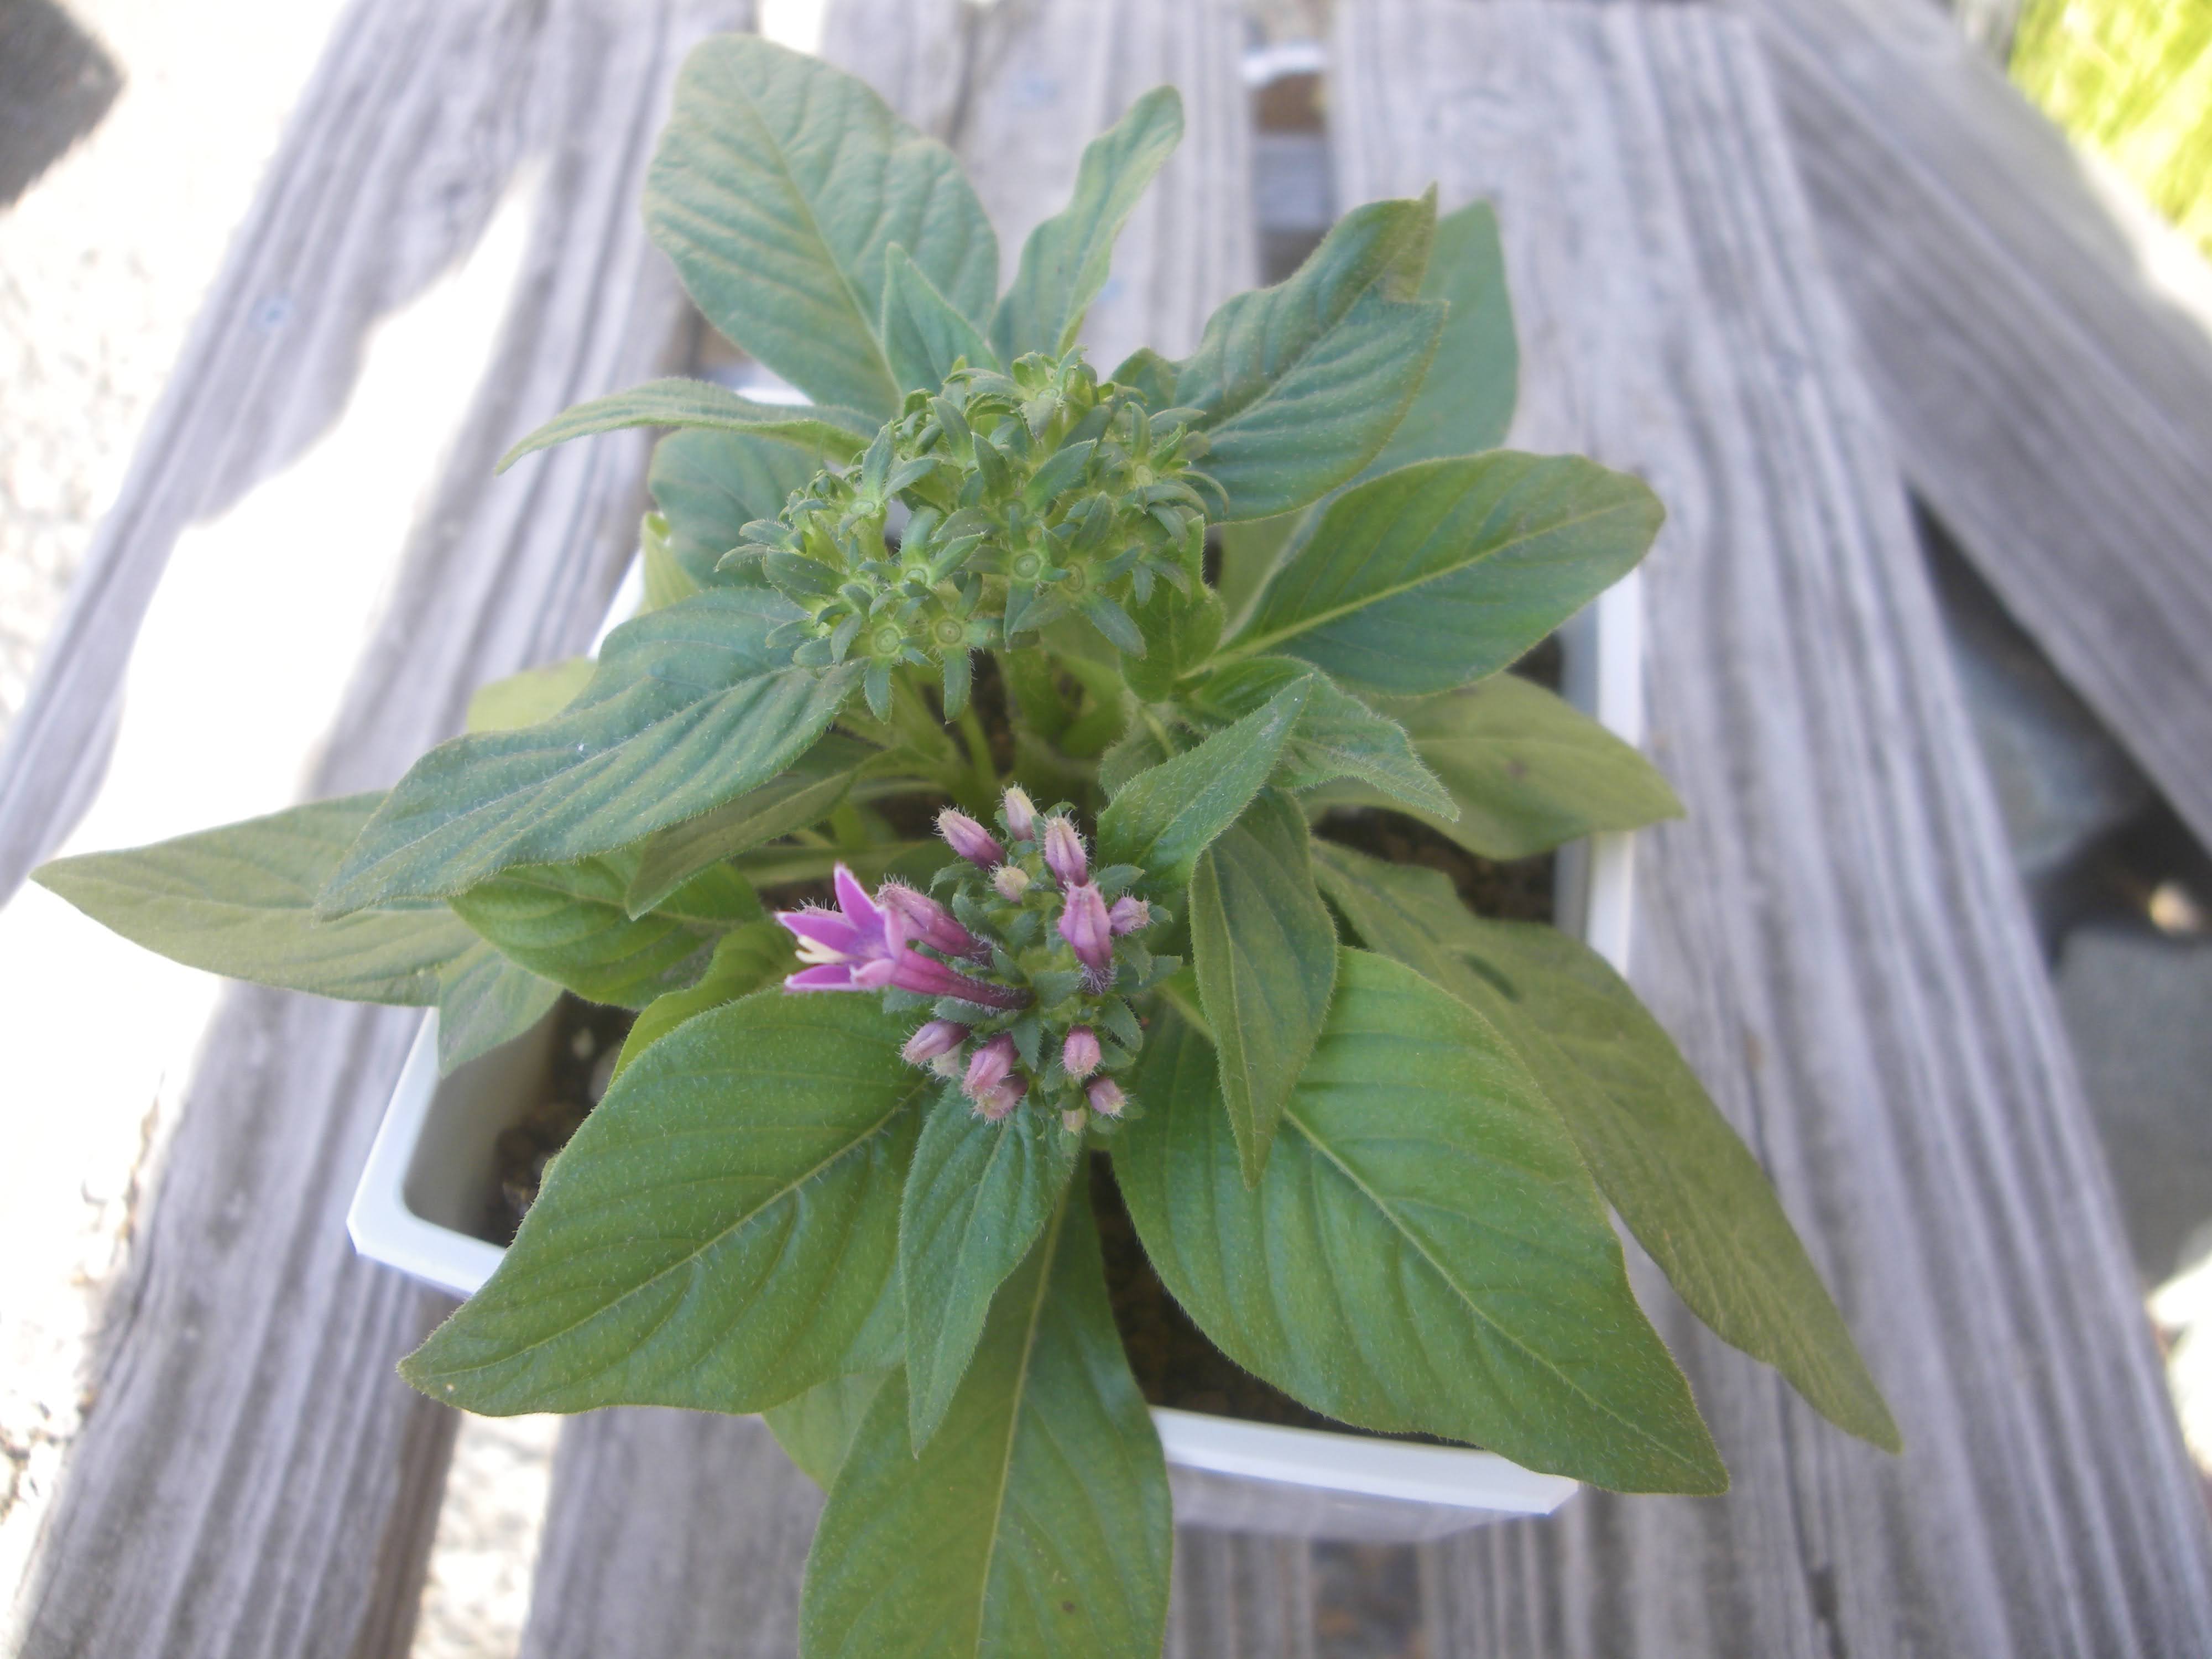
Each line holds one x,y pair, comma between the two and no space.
2050,405
254,1480
1833,934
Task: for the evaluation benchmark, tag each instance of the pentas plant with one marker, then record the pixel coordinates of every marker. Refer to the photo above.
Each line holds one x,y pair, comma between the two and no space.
1219,611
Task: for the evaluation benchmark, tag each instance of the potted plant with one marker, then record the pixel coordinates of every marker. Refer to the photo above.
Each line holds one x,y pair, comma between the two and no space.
952,643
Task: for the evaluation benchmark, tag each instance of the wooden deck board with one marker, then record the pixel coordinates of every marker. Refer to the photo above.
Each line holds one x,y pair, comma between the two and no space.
1833,934
254,1480
2051,404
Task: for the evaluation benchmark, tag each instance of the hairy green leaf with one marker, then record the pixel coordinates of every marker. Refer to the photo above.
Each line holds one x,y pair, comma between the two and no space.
1250,552
1035,1523
1265,951
1526,771
805,794
778,185
1444,571
1162,818
719,1233
524,699
976,1198
689,709
746,959
484,1000
568,923
816,1429
1179,634
1682,1180
239,901
1065,260
667,581
1425,1251
925,335
681,402
1338,736
710,485
1301,382
1466,400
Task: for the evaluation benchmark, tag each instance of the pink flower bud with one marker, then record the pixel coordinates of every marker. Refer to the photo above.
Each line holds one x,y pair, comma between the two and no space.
989,1068
910,970
995,1103
1083,924
1063,853
1128,915
1011,881
969,839
940,1036
927,921
1021,814
1074,1120
1079,1053
1105,1097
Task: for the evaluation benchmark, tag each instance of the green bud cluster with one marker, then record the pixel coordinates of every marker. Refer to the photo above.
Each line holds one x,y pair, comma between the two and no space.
1028,497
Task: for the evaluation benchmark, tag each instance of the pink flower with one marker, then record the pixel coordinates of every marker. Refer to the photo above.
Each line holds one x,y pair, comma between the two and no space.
928,921
1063,853
940,1036
860,946
1083,924
996,1102
1021,814
1105,1097
1079,1053
969,839
1128,915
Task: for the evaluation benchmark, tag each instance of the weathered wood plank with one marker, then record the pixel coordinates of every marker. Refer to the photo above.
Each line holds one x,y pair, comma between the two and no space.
254,1480
1018,89
1833,934
2050,403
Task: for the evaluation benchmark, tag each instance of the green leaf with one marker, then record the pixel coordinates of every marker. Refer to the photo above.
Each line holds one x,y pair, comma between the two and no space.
1179,634
1425,1251
484,1000
746,959
1682,1180
710,485
718,1234
666,579
689,709
806,793
524,699
976,1198
1065,260
816,1429
1442,572
1301,382
568,923
1466,401
1265,951
1164,818
841,432
1250,552
1035,1523
1150,376
778,185
781,865
1337,737
925,335
239,901
1526,771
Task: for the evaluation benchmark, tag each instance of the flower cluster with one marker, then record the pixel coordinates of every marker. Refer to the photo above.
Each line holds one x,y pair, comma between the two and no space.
1027,495
1025,965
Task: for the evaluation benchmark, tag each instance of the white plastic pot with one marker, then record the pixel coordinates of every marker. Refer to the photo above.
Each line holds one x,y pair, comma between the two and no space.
430,1174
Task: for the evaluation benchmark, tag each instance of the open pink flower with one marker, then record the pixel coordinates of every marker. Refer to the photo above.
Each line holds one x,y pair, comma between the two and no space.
864,946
